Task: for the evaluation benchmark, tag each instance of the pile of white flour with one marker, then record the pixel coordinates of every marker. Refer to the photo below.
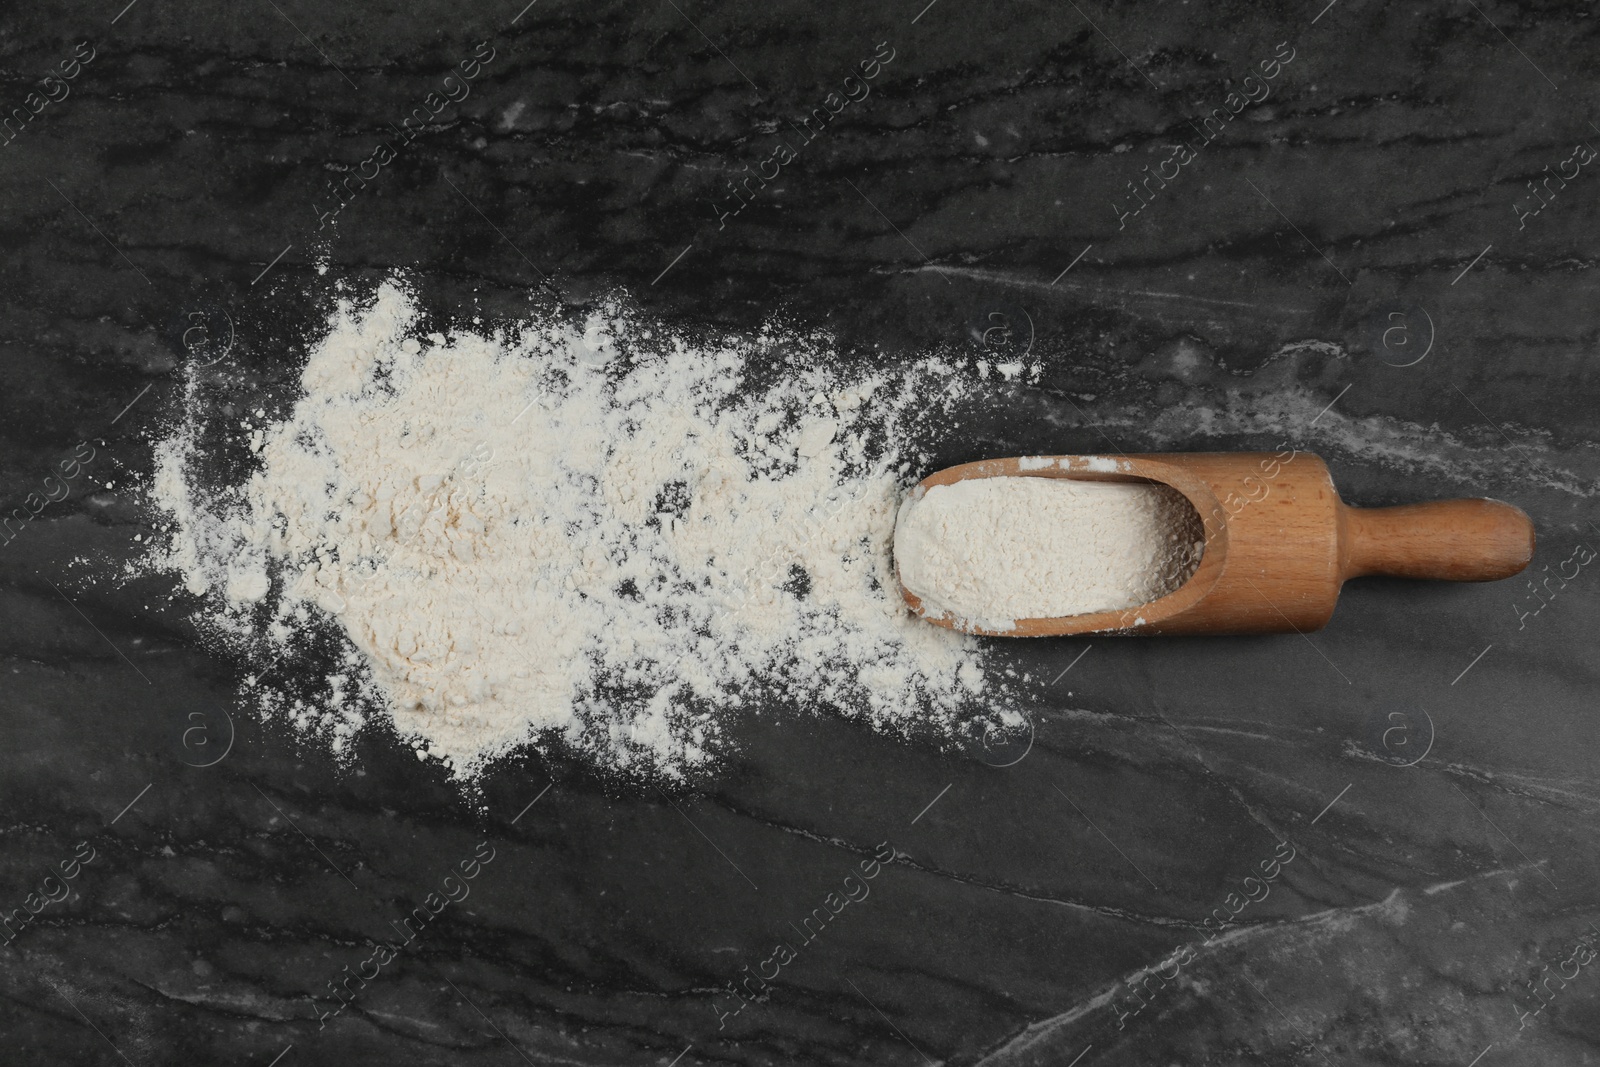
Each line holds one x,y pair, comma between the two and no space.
993,550
593,532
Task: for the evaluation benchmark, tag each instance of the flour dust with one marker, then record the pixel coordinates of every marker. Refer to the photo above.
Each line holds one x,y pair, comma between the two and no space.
600,535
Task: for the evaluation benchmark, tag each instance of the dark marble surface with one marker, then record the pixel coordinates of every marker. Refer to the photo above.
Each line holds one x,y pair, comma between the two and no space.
1429,758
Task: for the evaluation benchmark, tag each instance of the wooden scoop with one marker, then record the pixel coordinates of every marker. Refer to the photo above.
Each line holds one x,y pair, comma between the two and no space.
1279,543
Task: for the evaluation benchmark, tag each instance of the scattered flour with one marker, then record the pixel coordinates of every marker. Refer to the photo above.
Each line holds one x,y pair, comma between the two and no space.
591,533
990,551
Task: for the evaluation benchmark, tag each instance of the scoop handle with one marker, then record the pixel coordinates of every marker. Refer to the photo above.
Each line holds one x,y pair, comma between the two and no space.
1476,540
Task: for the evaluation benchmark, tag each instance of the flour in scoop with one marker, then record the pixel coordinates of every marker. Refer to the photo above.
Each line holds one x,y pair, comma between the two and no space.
990,551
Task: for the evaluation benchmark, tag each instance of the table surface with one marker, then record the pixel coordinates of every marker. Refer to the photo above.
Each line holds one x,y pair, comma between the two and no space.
1365,230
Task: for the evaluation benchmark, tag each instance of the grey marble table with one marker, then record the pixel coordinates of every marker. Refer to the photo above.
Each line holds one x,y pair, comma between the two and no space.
1363,229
